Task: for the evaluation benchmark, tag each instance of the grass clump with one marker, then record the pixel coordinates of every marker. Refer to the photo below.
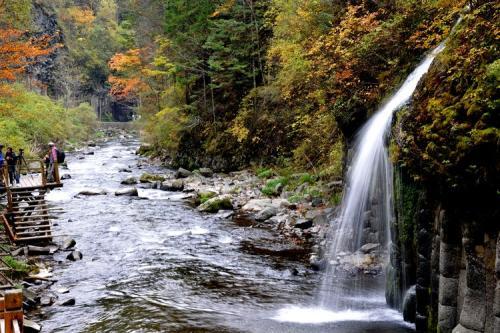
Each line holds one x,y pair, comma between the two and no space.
17,265
265,173
271,188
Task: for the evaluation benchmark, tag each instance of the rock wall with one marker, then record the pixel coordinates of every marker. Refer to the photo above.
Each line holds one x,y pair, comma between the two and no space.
447,246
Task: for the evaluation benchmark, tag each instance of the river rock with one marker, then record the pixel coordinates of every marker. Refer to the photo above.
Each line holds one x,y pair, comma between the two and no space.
37,250
65,176
149,178
183,173
88,153
125,170
144,149
370,247
93,191
303,224
129,181
266,213
215,204
75,256
176,185
68,302
410,305
69,244
30,326
130,192
47,301
257,205
206,172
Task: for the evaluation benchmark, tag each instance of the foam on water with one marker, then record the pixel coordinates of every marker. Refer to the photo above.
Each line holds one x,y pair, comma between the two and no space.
319,315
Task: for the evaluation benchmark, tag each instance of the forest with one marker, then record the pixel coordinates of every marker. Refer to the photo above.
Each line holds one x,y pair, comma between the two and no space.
283,94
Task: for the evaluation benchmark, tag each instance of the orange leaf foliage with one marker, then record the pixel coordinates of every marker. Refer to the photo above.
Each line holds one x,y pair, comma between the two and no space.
127,82
17,52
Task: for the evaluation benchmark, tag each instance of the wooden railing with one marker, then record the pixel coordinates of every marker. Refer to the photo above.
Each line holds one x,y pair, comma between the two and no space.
32,174
11,311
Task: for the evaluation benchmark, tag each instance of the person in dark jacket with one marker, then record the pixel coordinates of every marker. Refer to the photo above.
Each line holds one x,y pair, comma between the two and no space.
11,159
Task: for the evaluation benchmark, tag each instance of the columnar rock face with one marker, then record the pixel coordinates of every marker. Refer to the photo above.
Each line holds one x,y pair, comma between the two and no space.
455,248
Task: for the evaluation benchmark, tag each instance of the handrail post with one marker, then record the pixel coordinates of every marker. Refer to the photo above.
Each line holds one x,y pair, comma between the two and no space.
13,310
57,180
44,173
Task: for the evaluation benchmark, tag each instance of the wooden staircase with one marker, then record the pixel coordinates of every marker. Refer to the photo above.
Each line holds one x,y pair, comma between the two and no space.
27,218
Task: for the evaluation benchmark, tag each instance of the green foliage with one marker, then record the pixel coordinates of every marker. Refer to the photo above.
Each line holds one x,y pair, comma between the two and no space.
19,266
265,173
29,120
15,13
270,189
205,196
451,133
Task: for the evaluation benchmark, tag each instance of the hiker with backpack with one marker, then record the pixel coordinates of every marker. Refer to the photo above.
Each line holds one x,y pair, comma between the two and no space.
55,156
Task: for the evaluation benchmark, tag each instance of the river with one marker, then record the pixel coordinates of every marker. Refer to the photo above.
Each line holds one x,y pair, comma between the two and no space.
154,264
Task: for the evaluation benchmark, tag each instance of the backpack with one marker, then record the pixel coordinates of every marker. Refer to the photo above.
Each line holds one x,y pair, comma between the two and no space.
61,156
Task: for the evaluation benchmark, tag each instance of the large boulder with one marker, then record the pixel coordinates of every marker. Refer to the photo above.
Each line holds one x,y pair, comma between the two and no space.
215,204
129,191
75,256
183,173
266,213
176,185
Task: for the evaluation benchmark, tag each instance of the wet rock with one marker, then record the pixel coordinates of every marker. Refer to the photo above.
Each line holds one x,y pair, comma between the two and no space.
62,290
69,244
206,172
93,191
91,144
303,224
183,173
81,157
149,178
129,181
266,213
20,251
176,185
130,192
410,305
75,256
124,170
369,248
272,247
316,202
88,153
30,299
30,326
47,300
68,302
38,250
316,263
215,204
65,176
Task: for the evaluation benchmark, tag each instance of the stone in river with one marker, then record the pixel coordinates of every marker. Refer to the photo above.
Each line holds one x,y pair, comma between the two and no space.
215,204
370,247
206,172
129,181
131,192
175,185
47,301
75,256
68,244
30,326
93,191
266,213
69,302
303,224
65,176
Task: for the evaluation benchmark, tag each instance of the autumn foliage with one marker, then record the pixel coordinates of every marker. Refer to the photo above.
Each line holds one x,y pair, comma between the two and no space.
17,51
126,83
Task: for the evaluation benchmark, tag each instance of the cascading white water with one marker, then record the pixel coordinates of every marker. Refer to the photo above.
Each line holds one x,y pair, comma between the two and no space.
368,194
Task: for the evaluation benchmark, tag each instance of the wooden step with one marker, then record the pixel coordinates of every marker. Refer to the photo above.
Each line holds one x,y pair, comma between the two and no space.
20,239
23,217
40,226
37,232
17,211
34,222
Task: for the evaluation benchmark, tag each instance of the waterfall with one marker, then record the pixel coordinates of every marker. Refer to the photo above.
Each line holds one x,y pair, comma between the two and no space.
366,210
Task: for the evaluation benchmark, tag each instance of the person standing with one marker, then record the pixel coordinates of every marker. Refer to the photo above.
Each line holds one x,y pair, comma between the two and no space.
11,159
52,162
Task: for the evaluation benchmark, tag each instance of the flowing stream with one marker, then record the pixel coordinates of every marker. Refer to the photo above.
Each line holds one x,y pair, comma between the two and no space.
154,264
